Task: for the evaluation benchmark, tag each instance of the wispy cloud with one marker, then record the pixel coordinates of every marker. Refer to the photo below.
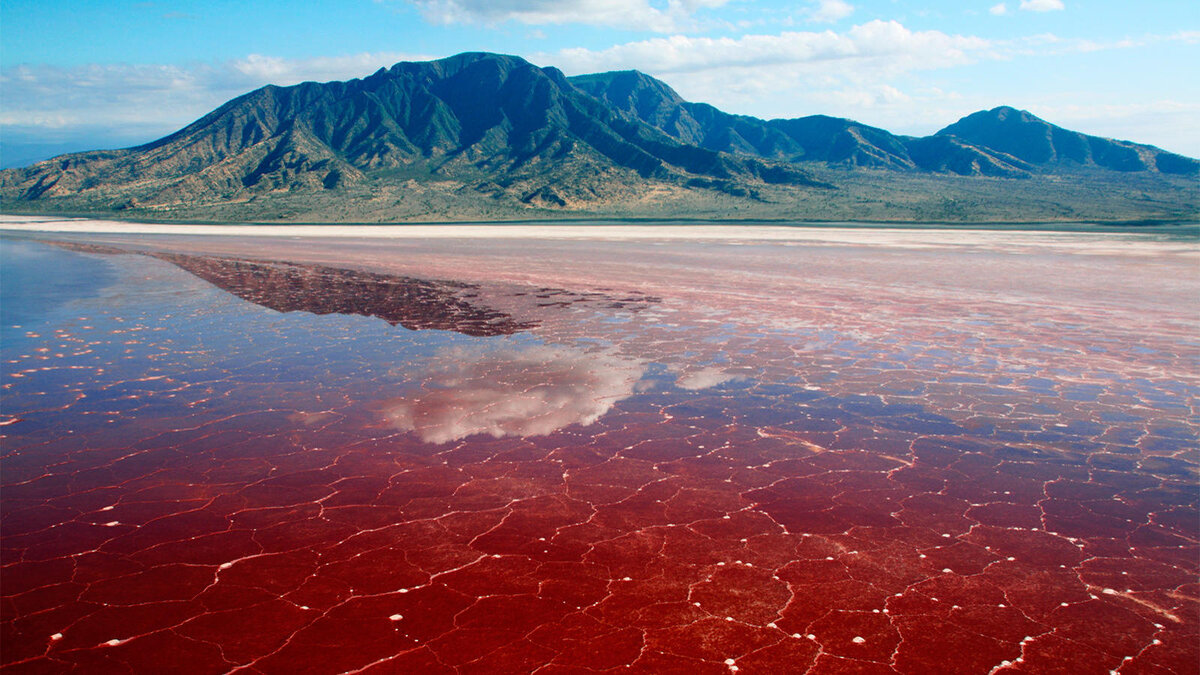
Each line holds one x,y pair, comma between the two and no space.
1042,5
157,96
829,11
998,10
283,71
1165,122
630,14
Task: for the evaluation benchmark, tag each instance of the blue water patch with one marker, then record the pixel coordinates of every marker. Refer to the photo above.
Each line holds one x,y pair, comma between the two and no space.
36,279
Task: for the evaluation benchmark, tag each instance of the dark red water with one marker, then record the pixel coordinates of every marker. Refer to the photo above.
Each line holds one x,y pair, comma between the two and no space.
753,458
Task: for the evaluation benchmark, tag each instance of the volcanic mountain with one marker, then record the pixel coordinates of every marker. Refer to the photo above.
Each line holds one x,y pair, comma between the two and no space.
483,136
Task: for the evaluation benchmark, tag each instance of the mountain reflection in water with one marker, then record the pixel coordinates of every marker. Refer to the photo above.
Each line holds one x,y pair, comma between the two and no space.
415,304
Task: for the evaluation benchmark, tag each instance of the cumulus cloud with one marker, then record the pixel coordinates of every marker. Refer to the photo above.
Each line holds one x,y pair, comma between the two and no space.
636,14
783,75
882,43
795,73
531,391
1042,5
998,10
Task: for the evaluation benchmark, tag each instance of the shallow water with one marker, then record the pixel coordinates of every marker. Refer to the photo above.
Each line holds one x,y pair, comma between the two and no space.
486,455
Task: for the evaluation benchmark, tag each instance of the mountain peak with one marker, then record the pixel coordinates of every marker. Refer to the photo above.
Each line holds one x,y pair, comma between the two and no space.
618,83
1004,114
452,65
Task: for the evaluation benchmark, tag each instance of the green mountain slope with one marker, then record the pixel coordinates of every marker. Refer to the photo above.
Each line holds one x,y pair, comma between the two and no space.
496,120
487,136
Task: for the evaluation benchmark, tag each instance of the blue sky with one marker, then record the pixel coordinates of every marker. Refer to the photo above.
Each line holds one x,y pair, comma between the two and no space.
82,75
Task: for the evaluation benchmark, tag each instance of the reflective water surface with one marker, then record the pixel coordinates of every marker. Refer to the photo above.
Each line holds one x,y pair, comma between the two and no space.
250,455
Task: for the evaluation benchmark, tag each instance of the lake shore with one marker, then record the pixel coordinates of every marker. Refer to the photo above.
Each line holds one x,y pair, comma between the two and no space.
1183,238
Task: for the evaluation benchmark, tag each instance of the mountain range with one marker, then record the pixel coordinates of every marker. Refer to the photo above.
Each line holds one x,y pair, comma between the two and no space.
488,136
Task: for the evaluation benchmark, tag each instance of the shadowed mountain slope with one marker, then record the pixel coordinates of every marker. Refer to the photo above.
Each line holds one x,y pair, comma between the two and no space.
1035,141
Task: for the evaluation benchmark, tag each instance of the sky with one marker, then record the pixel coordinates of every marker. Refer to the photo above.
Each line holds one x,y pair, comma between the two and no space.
80,75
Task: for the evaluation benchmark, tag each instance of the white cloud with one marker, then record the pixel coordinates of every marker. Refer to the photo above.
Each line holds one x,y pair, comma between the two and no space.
1189,36
796,73
868,96
852,73
276,70
529,391
829,11
998,10
636,14
880,45
1042,5
1048,44
159,97
865,73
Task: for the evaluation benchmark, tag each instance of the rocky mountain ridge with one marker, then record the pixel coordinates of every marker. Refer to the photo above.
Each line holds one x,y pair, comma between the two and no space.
998,142
493,135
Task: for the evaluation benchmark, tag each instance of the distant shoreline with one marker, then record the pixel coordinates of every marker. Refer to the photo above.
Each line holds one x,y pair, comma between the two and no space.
1177,240
1188,228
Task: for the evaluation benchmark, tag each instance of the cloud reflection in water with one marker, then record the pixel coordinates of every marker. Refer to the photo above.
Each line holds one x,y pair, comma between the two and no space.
530,391
703,378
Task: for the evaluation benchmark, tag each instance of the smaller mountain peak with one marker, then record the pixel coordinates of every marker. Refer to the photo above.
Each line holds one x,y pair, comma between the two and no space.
618,85
1000,117
634,75
1004,113
459,62
474,57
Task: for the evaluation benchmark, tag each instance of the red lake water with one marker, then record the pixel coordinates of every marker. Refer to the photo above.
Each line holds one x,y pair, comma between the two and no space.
511,450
